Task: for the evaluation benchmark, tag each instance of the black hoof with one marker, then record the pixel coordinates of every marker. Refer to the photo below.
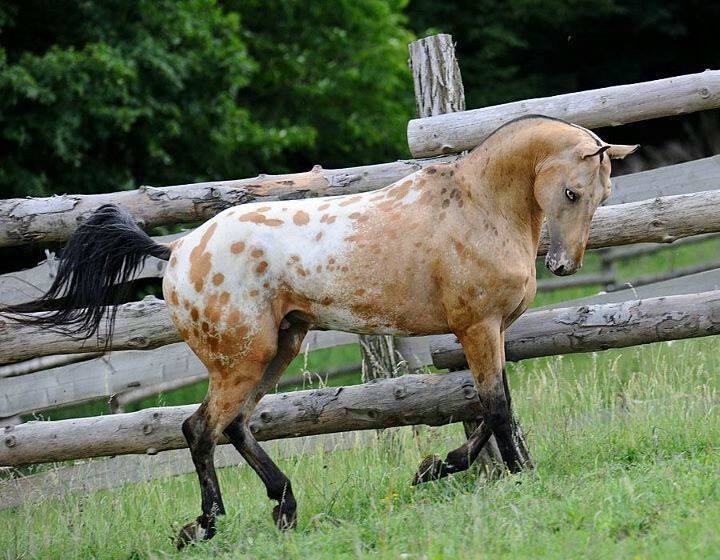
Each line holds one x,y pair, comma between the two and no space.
284,518
432,468
193,532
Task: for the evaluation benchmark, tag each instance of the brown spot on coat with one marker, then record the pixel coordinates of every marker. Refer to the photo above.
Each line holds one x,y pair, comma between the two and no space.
173,261
257,253
324,206
237,247
301,218
262,267
318,237
200,260
218,278
258,218
351,200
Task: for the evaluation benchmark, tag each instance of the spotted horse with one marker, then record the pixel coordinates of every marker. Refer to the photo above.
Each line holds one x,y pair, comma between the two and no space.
450,248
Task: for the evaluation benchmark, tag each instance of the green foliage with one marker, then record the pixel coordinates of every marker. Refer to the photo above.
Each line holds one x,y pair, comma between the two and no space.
102,95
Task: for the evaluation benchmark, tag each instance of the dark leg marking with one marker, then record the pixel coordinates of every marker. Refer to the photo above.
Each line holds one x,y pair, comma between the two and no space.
202,447
277,484
496,408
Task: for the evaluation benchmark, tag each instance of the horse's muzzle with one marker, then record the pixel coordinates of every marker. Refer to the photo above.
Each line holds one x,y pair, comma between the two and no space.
561,265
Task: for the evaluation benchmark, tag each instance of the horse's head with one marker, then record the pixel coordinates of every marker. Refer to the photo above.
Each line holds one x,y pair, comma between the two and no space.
569,187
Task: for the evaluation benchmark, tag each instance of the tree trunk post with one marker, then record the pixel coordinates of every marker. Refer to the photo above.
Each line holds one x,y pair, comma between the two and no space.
439,90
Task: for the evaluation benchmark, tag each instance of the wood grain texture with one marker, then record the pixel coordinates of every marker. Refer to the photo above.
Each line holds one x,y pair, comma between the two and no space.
611,106
141,373
406,400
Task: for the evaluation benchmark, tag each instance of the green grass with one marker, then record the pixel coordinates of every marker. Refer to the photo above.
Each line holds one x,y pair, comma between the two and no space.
608,484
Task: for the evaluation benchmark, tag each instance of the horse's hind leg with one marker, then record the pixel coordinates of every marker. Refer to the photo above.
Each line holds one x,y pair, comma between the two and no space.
232,384
277,484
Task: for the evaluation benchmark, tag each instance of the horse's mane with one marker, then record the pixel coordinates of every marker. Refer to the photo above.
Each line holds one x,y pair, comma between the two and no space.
543,117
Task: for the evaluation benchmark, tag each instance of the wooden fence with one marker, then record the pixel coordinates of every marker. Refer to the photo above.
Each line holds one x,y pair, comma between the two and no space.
47,370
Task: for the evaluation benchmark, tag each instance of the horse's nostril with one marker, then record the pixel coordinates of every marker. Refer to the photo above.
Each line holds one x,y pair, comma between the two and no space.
560,269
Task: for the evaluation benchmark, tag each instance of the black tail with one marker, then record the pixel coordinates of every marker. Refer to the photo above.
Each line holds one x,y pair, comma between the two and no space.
95,266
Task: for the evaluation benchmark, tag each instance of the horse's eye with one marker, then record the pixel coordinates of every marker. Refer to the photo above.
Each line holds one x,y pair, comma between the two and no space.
572,195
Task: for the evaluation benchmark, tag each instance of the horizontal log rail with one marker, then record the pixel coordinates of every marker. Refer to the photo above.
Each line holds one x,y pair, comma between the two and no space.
406,400
176,365
433,399
118,373
610,106
32,220
569,330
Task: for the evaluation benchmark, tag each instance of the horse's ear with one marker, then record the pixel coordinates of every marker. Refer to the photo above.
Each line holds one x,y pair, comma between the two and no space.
592,151
619,151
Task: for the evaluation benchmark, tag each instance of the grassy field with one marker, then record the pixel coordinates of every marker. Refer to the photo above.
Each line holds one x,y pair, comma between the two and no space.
627,445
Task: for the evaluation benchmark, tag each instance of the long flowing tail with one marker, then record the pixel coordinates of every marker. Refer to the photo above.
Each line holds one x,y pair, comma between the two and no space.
95,266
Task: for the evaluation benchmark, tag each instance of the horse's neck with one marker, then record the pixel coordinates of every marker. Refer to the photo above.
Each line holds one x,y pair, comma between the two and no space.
500,176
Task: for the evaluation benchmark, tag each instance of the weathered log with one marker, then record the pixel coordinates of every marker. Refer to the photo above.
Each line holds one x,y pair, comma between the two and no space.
692,284
118,372
139,325
611,106
406,400
30,220
436,76
642,249
568,330
410,399
682,178
43,363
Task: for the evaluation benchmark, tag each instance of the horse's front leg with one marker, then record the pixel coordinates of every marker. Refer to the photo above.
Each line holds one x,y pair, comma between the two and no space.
483,344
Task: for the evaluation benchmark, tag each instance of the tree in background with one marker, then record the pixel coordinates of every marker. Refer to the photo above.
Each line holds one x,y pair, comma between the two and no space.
100,95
